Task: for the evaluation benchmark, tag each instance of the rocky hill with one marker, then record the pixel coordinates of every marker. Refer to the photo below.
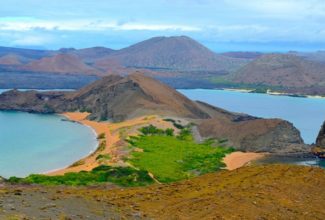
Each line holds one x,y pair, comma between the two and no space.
172,53
319,149
119,98
61,63
90,55
10,59
254,192
286,71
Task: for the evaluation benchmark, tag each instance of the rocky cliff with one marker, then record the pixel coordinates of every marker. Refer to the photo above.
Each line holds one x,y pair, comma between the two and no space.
319,149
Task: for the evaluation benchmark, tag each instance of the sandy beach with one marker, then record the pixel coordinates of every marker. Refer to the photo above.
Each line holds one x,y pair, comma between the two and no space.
115,133
237,159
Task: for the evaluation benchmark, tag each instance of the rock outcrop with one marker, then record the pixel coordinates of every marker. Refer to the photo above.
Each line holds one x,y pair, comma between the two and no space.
118,98
319,149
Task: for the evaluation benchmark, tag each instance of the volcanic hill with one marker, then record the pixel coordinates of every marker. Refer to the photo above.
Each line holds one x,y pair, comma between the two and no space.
118,98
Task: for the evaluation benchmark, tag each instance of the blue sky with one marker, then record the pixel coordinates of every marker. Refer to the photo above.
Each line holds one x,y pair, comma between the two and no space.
222,25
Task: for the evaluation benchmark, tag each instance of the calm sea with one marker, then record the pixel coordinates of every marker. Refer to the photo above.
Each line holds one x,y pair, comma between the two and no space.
307,114
35,143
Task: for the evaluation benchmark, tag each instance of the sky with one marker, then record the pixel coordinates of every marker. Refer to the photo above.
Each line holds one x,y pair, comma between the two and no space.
221,25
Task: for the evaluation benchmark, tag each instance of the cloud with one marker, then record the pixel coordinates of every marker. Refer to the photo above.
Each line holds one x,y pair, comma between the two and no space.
19,24
31,41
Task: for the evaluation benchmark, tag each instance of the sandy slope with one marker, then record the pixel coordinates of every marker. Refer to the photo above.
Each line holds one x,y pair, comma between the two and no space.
238,159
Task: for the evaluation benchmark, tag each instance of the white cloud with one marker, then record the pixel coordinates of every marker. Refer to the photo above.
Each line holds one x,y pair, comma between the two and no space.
85,25
31,41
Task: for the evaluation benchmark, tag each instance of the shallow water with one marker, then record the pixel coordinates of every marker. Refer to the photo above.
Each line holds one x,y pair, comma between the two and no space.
307,114
292,160
35,143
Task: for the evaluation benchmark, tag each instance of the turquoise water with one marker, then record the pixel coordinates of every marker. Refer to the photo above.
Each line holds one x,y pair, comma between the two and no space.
35,143
307,114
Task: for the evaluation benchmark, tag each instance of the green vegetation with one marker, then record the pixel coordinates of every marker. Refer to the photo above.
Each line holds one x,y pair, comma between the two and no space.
103,157
224,82
259,90
123,176
101,136
176,125
152,130
172,158
168,157
78,163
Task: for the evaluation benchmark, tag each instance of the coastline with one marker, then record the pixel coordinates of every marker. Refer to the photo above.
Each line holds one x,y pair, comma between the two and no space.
88,154
269,92
89,162
239,159
111,144
112,138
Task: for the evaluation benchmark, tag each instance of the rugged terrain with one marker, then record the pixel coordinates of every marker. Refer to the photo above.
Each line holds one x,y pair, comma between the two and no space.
283,72
254,192
118,98
179,61
319,149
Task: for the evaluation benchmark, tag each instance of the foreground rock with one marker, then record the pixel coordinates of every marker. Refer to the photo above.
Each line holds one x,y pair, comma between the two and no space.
255,192
319,149
119,98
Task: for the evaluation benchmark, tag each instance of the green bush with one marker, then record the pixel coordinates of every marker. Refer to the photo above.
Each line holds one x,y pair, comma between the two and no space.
171,158
123,176
101,136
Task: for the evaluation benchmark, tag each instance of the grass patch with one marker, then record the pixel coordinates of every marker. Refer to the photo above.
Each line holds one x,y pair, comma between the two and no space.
78,163
123,176
175,123
103,157
101,136
172,158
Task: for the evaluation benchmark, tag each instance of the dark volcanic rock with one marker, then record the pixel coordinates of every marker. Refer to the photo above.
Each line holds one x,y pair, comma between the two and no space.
320,141
248,133
319,150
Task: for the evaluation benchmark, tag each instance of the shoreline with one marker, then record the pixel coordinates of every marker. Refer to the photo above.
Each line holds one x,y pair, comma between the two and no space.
88,160
239,159
269,92
233,160
88,154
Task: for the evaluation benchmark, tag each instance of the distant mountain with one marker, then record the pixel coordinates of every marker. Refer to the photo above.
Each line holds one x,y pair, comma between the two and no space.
172,53
10,59
282,70
60,63
89,55
243,55
28,53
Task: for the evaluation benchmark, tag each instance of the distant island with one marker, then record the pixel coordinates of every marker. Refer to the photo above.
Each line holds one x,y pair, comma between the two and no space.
179,61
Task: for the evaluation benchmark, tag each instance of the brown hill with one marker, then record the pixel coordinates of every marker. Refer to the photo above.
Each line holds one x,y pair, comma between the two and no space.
90,55
282,70
119,98
243,55
172,53
10,60
254,192
60,63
